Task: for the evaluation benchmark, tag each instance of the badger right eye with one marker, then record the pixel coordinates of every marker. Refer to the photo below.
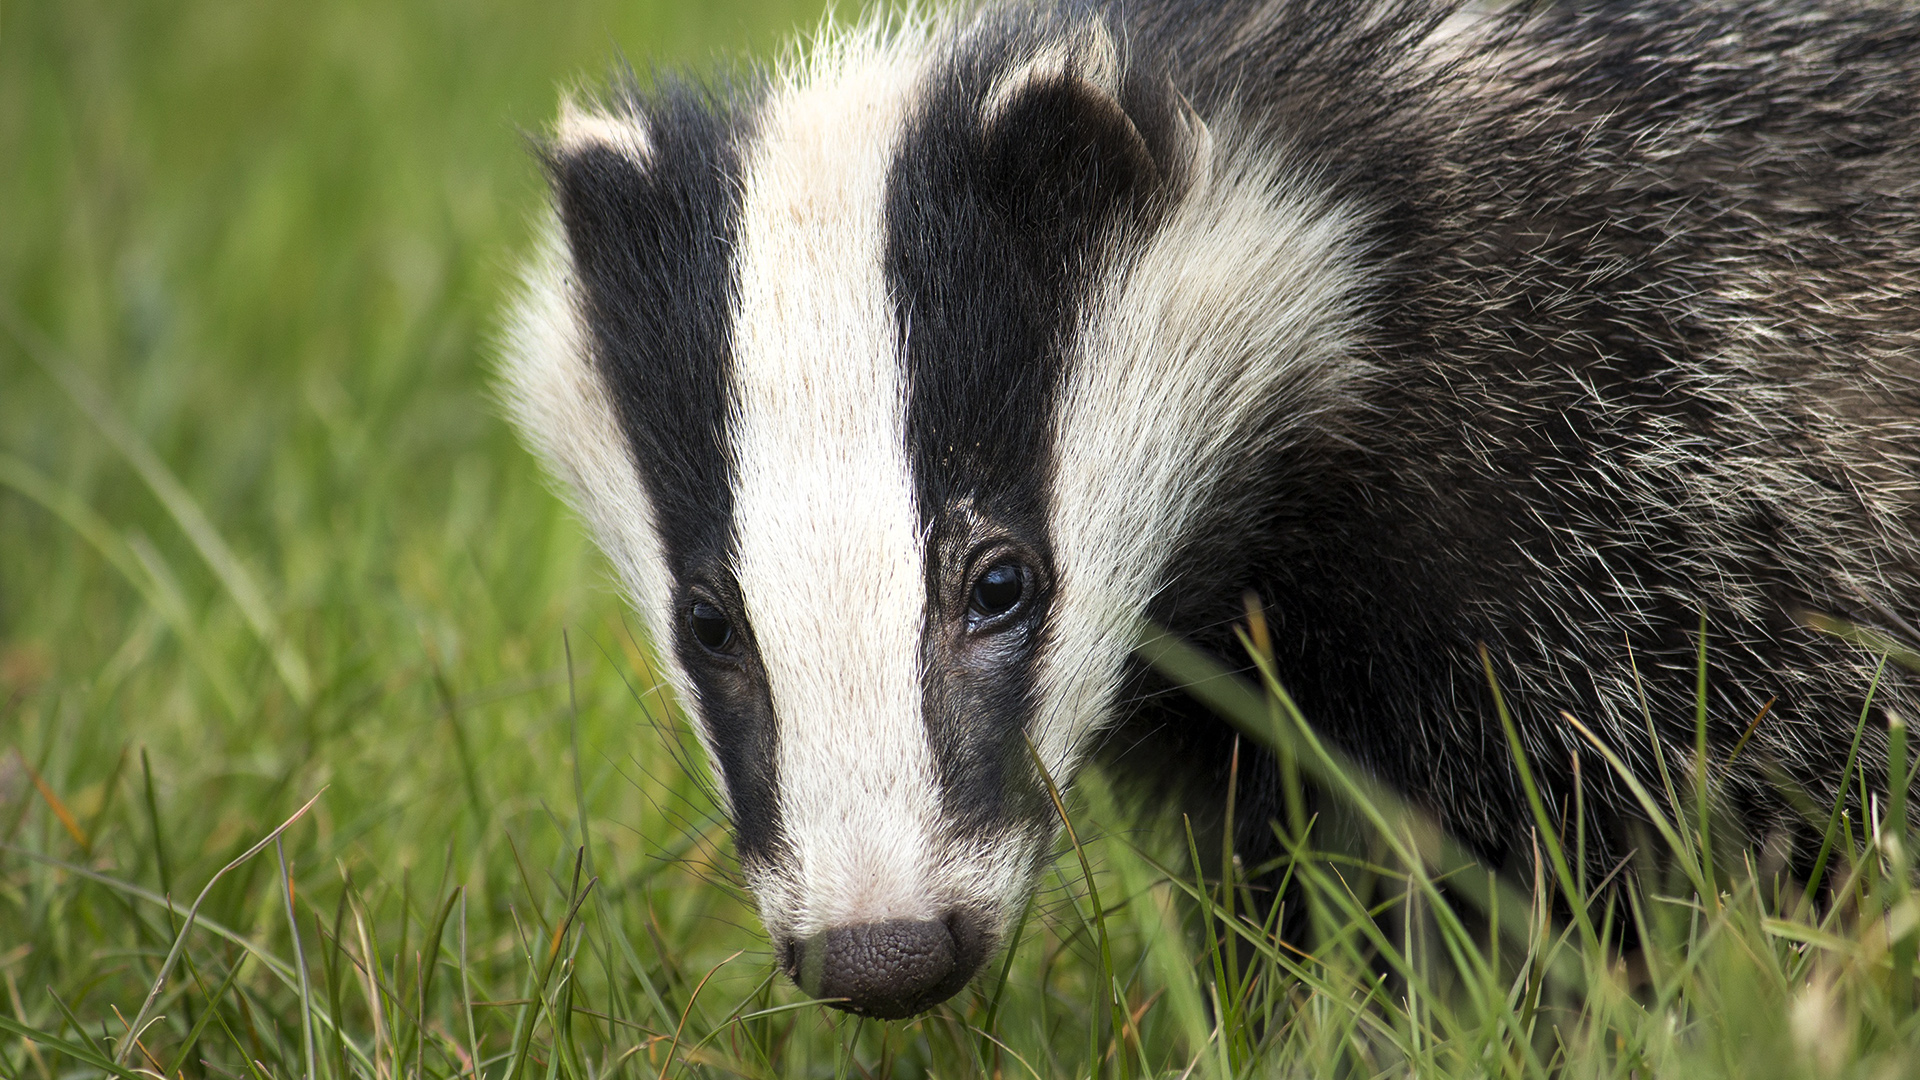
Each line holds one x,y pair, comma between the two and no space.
711,627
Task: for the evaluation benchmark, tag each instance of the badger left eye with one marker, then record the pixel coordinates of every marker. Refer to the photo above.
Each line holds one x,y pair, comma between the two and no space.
997,592
711,627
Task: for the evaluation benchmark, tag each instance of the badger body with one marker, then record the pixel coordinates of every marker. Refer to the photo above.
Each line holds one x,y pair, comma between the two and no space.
901,384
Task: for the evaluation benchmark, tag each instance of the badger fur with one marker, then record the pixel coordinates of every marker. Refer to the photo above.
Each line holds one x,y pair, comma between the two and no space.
900,383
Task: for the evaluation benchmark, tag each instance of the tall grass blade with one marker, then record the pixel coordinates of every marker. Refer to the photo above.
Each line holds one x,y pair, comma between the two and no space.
429,963
1548,830
54,803
153,823
82,1054
988,1026
1110,986
299,962
1899,853
1703,770
679,1028
1837,814
1658,748
1644,797
537,992
180,941
615,933
212,1006
466,992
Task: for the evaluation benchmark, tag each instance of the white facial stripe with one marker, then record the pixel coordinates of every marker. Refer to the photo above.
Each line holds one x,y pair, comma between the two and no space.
1237,307
556,398
829,553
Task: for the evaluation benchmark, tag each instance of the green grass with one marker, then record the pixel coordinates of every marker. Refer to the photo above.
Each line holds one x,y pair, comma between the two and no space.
263,538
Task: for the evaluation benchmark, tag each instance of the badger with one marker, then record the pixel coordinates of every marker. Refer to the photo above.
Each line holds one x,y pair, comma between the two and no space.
904,381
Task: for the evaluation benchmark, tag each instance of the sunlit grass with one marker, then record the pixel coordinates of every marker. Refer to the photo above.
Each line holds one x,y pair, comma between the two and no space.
263,538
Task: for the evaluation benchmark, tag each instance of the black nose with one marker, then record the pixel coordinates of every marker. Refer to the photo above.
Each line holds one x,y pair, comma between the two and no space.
890,969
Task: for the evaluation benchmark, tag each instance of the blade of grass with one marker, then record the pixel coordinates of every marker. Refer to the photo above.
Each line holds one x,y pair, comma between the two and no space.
466,991
539,988
1658,748
616,934
98,819
153,822
59,808
1010,1052
1216,940
470,778
1644,797
1006,969
1875,642
78,1028
1548,833
1702,770
673,1047
1230,886
180,940
1901,879
299,961
1753,725
429,960
1111,991
211,1006
76,1051
334,954
1840,795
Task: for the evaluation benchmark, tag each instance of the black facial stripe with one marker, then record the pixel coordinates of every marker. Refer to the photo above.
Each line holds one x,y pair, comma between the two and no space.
653,250
991,244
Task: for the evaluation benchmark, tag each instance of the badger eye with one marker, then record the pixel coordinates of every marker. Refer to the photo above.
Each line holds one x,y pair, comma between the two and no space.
711,627
998,591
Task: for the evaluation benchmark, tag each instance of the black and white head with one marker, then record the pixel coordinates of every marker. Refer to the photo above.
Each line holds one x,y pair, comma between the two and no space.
889,386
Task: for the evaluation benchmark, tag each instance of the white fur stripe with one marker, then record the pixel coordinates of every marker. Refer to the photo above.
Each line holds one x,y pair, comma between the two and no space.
1232,319
557,399
829,553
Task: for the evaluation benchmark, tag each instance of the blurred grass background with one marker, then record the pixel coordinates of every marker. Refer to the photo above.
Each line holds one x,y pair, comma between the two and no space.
263,535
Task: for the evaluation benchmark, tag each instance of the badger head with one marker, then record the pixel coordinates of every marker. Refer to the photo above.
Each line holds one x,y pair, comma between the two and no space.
888,387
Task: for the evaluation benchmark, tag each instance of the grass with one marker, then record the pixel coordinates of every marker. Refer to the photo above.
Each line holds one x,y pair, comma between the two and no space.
314,701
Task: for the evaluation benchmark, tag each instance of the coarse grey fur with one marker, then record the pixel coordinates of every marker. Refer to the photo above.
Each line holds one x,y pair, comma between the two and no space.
1556,330
1642,344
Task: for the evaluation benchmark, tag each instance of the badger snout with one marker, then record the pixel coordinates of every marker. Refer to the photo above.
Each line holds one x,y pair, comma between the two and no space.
891,969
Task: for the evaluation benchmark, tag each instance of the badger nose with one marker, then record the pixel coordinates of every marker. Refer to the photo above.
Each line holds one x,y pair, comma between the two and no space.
887,970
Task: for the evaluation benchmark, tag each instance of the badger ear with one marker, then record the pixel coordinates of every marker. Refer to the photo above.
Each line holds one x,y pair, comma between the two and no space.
601,170
582,131
1072,134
